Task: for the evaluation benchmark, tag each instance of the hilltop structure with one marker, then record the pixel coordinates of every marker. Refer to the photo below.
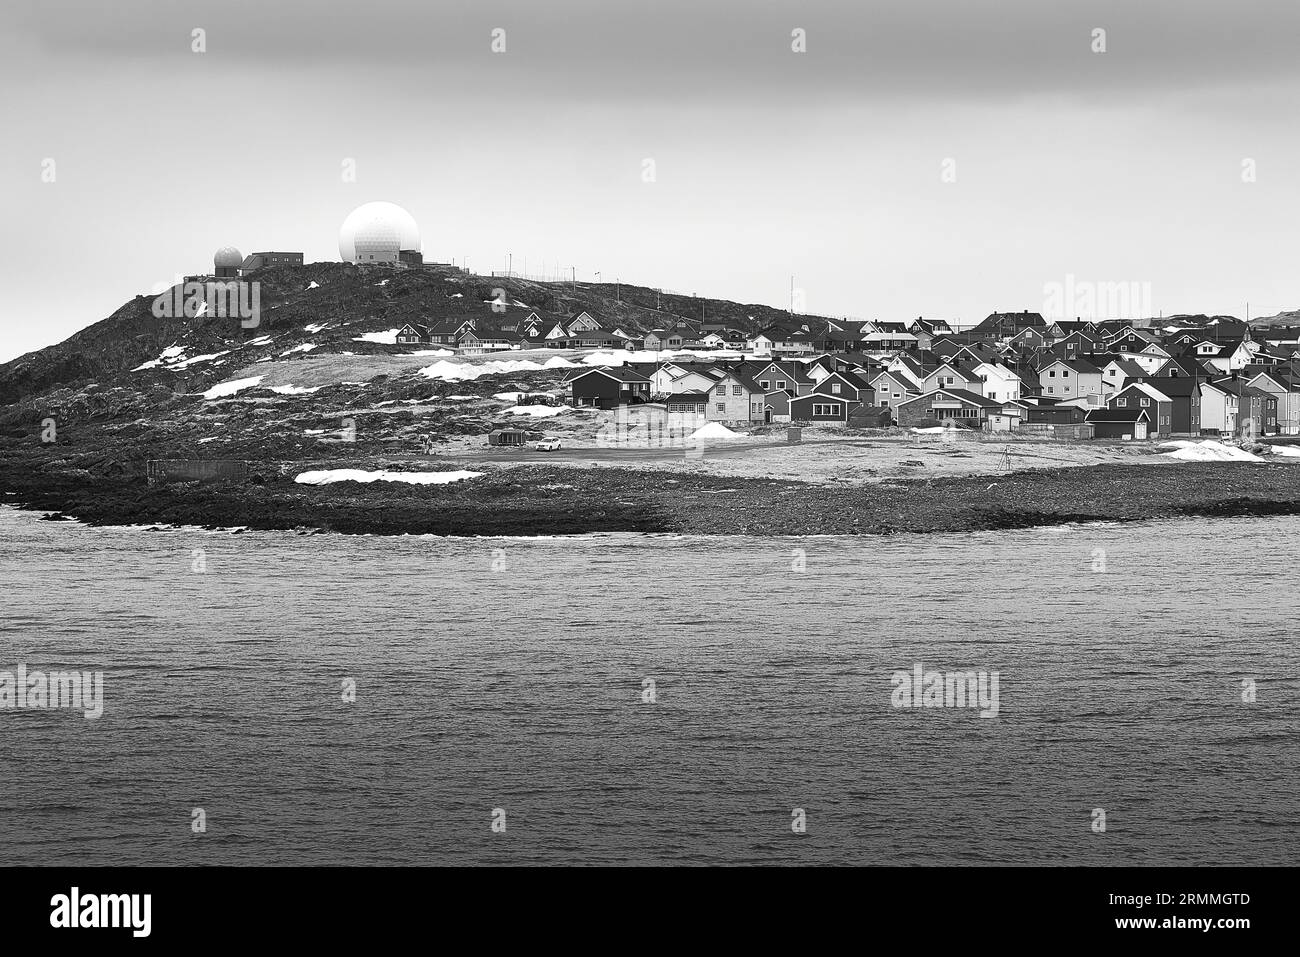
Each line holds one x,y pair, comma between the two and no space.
380,233
226,262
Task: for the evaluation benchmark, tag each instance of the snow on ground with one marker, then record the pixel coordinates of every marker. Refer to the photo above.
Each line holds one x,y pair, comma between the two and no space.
538,411
509,396
935,430
186,363
382,282
167,355
230,388
457,295
259,341
315,326
314,285
431,352
558,362
604,359
1285,449
714,430
644,355
460,398
327,476
1209,451
304,347
294,390
387,338
459,371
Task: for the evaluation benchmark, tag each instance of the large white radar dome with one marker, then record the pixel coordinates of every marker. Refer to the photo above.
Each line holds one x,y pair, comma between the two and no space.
227,256
377,232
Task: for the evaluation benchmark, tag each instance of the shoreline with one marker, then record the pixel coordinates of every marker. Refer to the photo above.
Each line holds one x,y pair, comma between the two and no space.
534,501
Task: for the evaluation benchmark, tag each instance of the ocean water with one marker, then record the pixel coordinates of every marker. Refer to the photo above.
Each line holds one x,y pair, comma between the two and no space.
503,679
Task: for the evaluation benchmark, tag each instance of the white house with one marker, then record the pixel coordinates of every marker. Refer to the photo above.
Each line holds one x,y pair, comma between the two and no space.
1070,379
1220,406
998,382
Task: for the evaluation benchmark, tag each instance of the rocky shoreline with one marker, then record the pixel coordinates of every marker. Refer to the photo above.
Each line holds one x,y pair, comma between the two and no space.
558,500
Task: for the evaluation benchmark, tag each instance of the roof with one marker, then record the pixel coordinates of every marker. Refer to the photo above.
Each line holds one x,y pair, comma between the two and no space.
621,373
1078,365
1146,389
965,395
1130,368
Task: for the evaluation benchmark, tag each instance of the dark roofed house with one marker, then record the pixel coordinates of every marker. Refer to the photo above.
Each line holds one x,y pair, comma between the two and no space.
607,387
412,334
942,405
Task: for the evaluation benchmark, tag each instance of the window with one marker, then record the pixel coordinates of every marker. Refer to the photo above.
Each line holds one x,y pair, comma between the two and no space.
762,383
835,388
1051,390
1052,374
1145,403
720,391
722,407
1065,373
737,390
897,395
780,383
829,408
1121,403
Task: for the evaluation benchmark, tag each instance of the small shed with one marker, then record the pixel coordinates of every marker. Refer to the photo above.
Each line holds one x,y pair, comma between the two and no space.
1119,423
507,437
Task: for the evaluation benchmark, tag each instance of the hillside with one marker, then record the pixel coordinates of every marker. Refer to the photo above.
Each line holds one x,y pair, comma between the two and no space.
329,307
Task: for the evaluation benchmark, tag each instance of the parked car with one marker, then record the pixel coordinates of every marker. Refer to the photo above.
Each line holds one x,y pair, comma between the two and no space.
550,445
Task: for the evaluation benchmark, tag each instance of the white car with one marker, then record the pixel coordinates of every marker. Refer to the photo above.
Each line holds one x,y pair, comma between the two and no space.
550,445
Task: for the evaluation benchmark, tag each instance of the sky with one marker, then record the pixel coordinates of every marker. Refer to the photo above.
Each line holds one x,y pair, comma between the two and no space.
944,159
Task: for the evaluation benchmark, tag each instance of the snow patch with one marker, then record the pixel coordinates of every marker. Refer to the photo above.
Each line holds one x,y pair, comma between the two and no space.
315,327
294,390
186,363
714,430
387,338
230,388
328,476
303,347
458,372
543,411
1209,451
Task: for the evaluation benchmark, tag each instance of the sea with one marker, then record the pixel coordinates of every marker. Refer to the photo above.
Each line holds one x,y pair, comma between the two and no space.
274,698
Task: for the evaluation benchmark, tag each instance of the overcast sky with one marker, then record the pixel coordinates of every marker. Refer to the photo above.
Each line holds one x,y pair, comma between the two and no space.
1124,166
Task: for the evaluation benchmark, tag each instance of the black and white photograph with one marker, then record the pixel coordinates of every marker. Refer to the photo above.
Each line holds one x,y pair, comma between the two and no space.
729,434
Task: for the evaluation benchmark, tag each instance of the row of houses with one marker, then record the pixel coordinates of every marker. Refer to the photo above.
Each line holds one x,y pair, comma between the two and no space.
1083,381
